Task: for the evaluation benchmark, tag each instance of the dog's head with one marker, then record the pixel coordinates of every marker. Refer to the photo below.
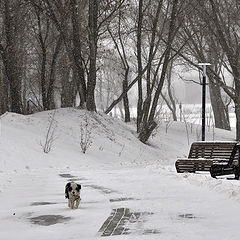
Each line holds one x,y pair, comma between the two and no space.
72,189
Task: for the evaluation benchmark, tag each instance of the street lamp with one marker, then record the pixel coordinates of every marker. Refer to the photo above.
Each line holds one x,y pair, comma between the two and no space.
204,66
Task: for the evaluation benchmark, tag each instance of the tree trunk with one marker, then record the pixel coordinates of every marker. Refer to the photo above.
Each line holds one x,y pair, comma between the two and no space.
122,54
221,118
93,34
77,54
139,59
69,90
4,98
50,91
172,104
237,109
43,78
125,98
42,41
10,62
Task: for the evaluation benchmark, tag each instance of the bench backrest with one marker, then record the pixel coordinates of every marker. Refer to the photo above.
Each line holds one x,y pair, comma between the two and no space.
211,150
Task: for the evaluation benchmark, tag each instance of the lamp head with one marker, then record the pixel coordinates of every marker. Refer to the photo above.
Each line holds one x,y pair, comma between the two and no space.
204,64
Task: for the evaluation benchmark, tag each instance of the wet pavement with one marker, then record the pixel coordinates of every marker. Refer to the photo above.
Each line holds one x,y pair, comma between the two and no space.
47,220
123,221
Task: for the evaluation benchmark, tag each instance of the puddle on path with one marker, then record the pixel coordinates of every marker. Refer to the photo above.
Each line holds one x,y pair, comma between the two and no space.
47,220
151,231
76,179
42,203
187,216
121,199
123,221
102,189
71,178
66,175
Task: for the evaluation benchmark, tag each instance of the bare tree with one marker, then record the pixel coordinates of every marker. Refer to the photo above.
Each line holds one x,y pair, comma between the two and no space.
121,46
149,108
13,27
48,56
220,18
64,14
203,47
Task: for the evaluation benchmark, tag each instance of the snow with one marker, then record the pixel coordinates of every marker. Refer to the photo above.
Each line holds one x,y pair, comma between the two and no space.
116,172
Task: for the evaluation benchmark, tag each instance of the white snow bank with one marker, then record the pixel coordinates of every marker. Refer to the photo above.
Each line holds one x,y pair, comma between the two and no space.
116,166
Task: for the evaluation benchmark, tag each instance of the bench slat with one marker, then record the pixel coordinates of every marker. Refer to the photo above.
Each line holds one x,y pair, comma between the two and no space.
203,154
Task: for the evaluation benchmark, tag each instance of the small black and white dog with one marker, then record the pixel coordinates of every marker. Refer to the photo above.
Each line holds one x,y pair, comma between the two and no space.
72,192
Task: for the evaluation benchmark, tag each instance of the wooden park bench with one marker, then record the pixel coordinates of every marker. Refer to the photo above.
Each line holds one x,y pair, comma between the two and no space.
203,155
229,168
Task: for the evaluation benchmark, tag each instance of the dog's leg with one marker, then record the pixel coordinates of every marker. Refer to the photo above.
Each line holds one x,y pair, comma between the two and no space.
71,204
77,203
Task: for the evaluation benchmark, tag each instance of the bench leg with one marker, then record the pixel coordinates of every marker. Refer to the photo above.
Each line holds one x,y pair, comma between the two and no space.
237,172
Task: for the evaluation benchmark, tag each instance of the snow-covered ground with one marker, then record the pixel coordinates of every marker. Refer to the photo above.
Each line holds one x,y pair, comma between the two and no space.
122,179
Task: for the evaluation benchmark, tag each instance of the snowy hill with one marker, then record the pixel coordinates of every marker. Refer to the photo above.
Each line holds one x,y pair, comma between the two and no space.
114,143
121,178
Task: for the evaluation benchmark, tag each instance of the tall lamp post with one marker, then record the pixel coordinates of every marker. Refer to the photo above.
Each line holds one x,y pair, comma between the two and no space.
204,66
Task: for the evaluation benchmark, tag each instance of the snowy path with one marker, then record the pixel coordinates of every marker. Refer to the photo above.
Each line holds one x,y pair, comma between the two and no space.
117,204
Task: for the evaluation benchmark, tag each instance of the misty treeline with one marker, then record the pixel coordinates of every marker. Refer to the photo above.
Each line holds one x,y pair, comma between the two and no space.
54,50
